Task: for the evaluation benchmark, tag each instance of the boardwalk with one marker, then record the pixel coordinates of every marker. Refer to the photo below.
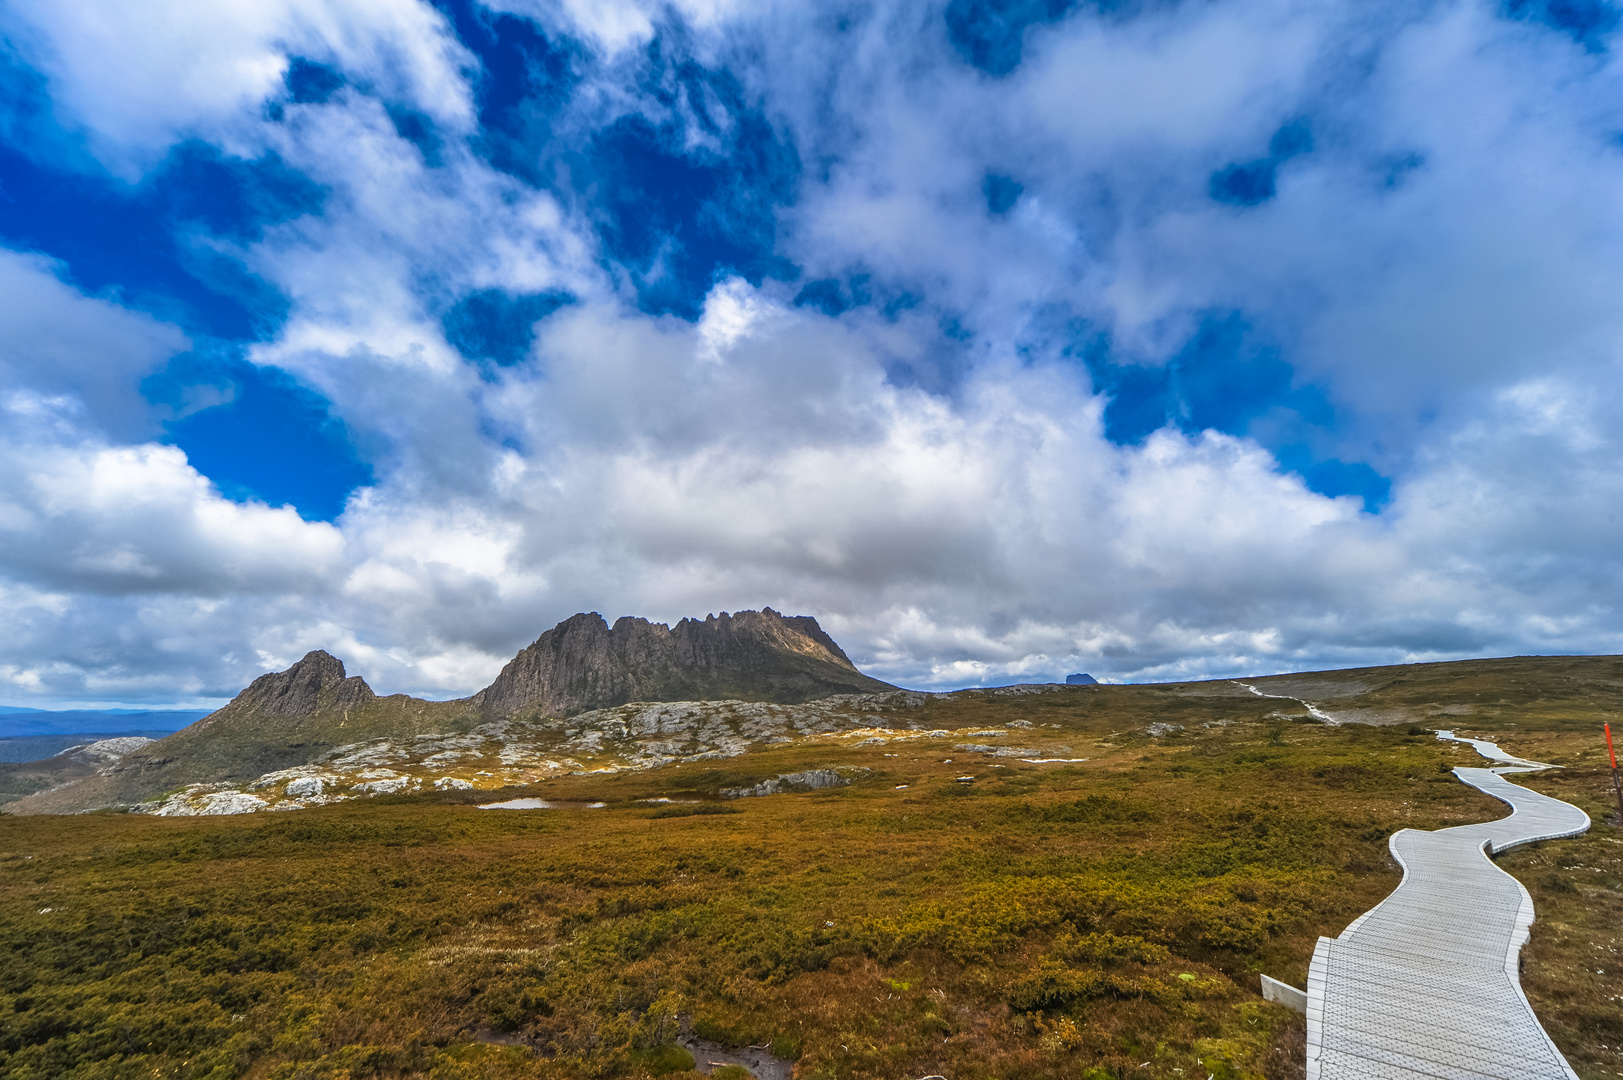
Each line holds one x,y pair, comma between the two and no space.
1425,985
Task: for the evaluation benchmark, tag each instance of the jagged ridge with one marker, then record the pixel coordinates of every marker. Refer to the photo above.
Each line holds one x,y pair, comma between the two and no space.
582,664
317,682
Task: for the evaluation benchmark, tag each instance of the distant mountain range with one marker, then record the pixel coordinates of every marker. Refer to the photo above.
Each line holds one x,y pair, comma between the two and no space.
290,718
15,748
16,722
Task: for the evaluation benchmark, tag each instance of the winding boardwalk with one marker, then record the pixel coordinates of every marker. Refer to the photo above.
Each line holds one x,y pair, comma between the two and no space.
1425,983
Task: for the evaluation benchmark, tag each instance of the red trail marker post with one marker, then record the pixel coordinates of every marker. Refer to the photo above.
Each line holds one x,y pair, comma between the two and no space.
1616,785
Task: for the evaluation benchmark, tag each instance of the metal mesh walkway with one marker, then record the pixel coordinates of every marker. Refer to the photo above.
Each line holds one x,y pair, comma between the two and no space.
1425,983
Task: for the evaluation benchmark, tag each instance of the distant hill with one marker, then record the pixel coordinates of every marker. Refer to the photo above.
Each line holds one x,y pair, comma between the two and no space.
292,717
15,722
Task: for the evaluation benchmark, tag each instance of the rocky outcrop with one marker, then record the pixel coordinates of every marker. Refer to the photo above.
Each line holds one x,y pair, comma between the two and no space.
583,664
105,751
810,780
315,684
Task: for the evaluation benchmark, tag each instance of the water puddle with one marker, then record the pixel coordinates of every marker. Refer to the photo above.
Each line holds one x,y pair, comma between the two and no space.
539,804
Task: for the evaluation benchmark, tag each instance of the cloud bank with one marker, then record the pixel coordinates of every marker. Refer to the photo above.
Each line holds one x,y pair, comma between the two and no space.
1155,340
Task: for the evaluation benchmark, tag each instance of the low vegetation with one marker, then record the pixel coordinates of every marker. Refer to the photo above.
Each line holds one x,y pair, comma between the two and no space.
1102,918
1572,969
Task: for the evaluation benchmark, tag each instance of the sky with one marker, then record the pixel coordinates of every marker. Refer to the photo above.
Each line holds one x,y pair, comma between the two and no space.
1008,338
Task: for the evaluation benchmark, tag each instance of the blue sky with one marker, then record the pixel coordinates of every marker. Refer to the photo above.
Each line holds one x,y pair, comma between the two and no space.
1157,340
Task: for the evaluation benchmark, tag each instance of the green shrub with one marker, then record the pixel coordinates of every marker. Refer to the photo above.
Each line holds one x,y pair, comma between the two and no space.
669,1058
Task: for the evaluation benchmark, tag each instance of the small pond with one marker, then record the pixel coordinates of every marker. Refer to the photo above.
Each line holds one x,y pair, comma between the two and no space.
539,804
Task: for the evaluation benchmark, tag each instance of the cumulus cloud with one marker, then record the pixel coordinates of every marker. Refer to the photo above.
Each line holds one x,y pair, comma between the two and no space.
122,559
139,79
85,354
907,339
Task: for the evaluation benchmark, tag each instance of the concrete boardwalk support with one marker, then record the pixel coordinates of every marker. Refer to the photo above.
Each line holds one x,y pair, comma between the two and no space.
1425,984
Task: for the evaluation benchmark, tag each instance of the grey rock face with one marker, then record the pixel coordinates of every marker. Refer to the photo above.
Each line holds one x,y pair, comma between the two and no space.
314,683
582,664
810,780
106,751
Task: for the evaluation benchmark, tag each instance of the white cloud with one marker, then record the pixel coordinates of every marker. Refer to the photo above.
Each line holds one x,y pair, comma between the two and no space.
89,353
611,25
1177,79
139,77
1443,263
138,518
996,537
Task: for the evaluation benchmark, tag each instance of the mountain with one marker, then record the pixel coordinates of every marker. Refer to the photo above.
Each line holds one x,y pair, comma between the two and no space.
582,664
291,718
281,720
314,685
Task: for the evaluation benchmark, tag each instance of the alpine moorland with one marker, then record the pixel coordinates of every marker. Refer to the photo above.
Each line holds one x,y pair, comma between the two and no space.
1041,881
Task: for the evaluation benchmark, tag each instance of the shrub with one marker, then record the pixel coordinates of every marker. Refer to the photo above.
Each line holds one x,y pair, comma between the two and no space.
661,1060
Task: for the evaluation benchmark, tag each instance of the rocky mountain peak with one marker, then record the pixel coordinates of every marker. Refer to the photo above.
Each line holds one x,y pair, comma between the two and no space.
583,663
315,684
